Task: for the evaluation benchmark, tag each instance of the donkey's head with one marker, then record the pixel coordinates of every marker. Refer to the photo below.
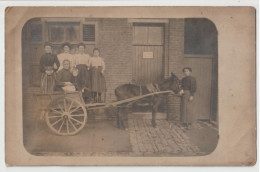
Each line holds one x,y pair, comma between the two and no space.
174,83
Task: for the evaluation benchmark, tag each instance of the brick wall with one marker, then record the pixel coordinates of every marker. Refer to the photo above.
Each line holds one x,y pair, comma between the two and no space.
176,46
115,44
175,61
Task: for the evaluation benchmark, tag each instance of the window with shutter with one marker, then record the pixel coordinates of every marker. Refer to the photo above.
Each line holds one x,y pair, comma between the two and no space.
89,32
36,32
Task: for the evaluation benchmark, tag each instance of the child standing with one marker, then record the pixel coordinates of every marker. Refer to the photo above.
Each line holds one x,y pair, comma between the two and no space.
49,64
98,83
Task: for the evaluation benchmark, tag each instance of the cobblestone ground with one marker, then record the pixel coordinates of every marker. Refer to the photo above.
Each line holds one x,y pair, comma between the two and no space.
167,138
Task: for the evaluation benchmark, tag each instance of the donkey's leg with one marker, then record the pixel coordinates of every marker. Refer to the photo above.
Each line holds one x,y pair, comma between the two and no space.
118,117
155,105
154,111
126,113
124,118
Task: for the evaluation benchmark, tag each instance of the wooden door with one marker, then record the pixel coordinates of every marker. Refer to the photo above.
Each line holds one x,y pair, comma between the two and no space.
148,47
202,71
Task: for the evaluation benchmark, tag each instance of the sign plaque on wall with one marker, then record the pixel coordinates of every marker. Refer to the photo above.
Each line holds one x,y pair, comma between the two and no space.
147,55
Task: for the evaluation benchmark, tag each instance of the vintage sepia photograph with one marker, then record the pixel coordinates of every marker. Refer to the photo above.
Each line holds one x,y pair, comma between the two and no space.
129,85
120,86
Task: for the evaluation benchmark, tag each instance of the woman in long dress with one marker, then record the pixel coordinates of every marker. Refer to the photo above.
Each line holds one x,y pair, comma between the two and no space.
98,83
82,61
187,101
49,64
66,55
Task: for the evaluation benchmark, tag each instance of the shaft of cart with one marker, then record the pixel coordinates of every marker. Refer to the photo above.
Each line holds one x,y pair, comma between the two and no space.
120,102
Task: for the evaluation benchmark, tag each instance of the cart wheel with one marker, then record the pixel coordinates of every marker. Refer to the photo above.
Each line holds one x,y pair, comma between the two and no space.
66,116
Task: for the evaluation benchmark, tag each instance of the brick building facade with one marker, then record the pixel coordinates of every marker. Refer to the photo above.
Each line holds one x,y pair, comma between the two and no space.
114,38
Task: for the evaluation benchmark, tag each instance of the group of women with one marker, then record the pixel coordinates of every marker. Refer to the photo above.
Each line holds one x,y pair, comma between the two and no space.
73,72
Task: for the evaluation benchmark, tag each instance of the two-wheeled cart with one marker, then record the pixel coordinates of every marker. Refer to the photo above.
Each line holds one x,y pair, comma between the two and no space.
66,112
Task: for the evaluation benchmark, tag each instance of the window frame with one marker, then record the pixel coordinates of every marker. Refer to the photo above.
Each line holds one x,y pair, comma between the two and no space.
198,30
64,36
80,20
138,24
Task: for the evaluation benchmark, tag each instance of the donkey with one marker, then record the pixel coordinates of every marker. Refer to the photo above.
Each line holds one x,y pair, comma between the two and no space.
126,91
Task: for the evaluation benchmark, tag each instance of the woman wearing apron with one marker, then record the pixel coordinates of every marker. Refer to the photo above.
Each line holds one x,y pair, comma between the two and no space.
187,101
98,83
82,61
49,64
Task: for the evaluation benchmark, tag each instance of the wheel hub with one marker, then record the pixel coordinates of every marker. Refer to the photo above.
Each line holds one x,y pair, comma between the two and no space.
65,116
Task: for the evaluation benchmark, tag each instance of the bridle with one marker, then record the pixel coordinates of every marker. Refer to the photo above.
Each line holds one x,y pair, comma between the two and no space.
176,84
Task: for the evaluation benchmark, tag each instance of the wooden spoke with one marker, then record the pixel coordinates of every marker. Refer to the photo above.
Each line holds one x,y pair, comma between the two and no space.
78,115
65,105
60,108
67,124
70,105
57,112
56,122
76,120
61,126
75,109
75,128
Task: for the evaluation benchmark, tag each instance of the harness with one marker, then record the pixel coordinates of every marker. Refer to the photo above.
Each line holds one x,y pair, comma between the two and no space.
152,88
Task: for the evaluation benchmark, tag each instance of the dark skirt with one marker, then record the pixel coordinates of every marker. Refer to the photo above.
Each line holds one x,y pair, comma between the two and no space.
47,83
98,83
84,79
187,108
